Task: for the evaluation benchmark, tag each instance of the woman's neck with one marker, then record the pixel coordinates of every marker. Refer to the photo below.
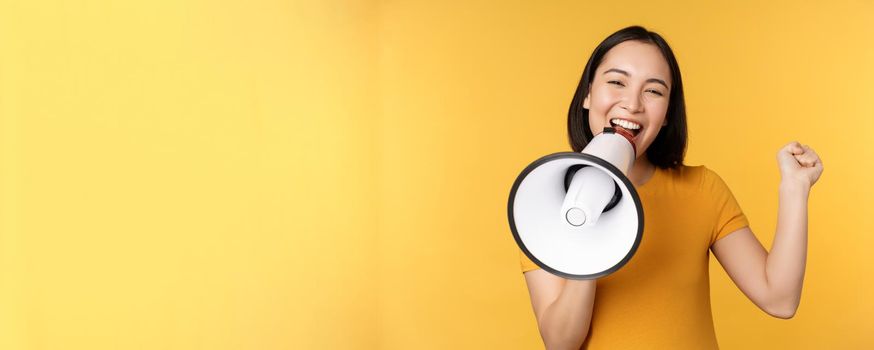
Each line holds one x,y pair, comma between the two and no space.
641,171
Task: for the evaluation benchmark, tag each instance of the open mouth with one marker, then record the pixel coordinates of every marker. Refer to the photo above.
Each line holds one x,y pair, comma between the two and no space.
626,125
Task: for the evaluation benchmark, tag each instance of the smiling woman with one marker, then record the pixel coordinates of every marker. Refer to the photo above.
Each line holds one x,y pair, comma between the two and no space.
632,81
634,96
634,76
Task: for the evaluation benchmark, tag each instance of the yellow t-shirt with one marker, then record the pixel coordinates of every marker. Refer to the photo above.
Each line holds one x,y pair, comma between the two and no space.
661,298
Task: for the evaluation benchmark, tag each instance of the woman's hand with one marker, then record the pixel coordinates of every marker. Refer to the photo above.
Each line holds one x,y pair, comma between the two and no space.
799,164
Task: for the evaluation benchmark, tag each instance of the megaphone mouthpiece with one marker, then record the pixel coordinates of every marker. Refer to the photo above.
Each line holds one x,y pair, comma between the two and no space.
628,135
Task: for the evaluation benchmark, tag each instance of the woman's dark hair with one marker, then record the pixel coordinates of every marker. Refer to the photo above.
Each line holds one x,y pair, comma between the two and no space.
669,147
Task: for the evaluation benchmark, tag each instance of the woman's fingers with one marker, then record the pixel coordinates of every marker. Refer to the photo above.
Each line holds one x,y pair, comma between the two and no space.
808,157
799,162
804,161
803,154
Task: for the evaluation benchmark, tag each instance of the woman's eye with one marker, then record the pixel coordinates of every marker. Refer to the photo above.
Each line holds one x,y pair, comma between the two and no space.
655,92
616,82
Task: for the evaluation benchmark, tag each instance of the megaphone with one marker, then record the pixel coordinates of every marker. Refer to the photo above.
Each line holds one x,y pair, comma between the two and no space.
576,214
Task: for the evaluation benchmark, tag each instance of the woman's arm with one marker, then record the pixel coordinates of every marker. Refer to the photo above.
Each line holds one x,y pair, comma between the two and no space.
773,280
563,308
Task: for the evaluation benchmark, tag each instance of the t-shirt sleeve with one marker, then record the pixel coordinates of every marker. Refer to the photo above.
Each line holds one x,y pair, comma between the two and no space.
526,264
729,216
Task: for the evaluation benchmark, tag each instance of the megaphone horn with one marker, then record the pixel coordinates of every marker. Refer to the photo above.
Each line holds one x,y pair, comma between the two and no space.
577,215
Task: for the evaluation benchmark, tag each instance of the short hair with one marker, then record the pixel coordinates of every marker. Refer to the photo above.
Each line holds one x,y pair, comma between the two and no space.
669,147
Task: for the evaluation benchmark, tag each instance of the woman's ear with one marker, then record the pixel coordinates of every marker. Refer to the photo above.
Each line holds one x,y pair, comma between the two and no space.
586,100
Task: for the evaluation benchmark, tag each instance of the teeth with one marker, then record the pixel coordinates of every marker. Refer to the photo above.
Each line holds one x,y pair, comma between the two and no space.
625,124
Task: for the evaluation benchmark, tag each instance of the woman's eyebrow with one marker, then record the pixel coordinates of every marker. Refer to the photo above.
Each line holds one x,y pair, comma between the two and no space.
650,80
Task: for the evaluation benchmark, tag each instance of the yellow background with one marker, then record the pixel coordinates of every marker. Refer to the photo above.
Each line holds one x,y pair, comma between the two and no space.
334,174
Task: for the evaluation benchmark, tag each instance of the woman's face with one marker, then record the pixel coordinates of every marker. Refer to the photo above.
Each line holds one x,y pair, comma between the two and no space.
632,84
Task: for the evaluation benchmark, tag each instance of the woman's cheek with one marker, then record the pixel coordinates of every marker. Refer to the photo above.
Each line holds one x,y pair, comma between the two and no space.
660,111
604,102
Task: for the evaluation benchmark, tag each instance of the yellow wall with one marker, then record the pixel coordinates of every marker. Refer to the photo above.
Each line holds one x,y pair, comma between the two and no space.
279,175
171,173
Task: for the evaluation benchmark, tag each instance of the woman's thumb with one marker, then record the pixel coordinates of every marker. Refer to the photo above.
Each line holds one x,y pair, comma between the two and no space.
786,155
793,148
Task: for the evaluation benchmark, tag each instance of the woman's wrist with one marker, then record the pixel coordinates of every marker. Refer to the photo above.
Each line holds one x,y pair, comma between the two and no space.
794,187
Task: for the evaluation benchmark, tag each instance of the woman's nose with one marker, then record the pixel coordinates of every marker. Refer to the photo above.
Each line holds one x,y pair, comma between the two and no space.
631,102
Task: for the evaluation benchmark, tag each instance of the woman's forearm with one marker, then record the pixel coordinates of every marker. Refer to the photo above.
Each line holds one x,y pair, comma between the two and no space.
785,265
565,323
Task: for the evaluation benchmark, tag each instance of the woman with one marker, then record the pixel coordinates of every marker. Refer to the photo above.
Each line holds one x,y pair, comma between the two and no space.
661,298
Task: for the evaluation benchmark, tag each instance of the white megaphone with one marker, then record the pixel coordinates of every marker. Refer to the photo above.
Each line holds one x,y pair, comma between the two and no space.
577,215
